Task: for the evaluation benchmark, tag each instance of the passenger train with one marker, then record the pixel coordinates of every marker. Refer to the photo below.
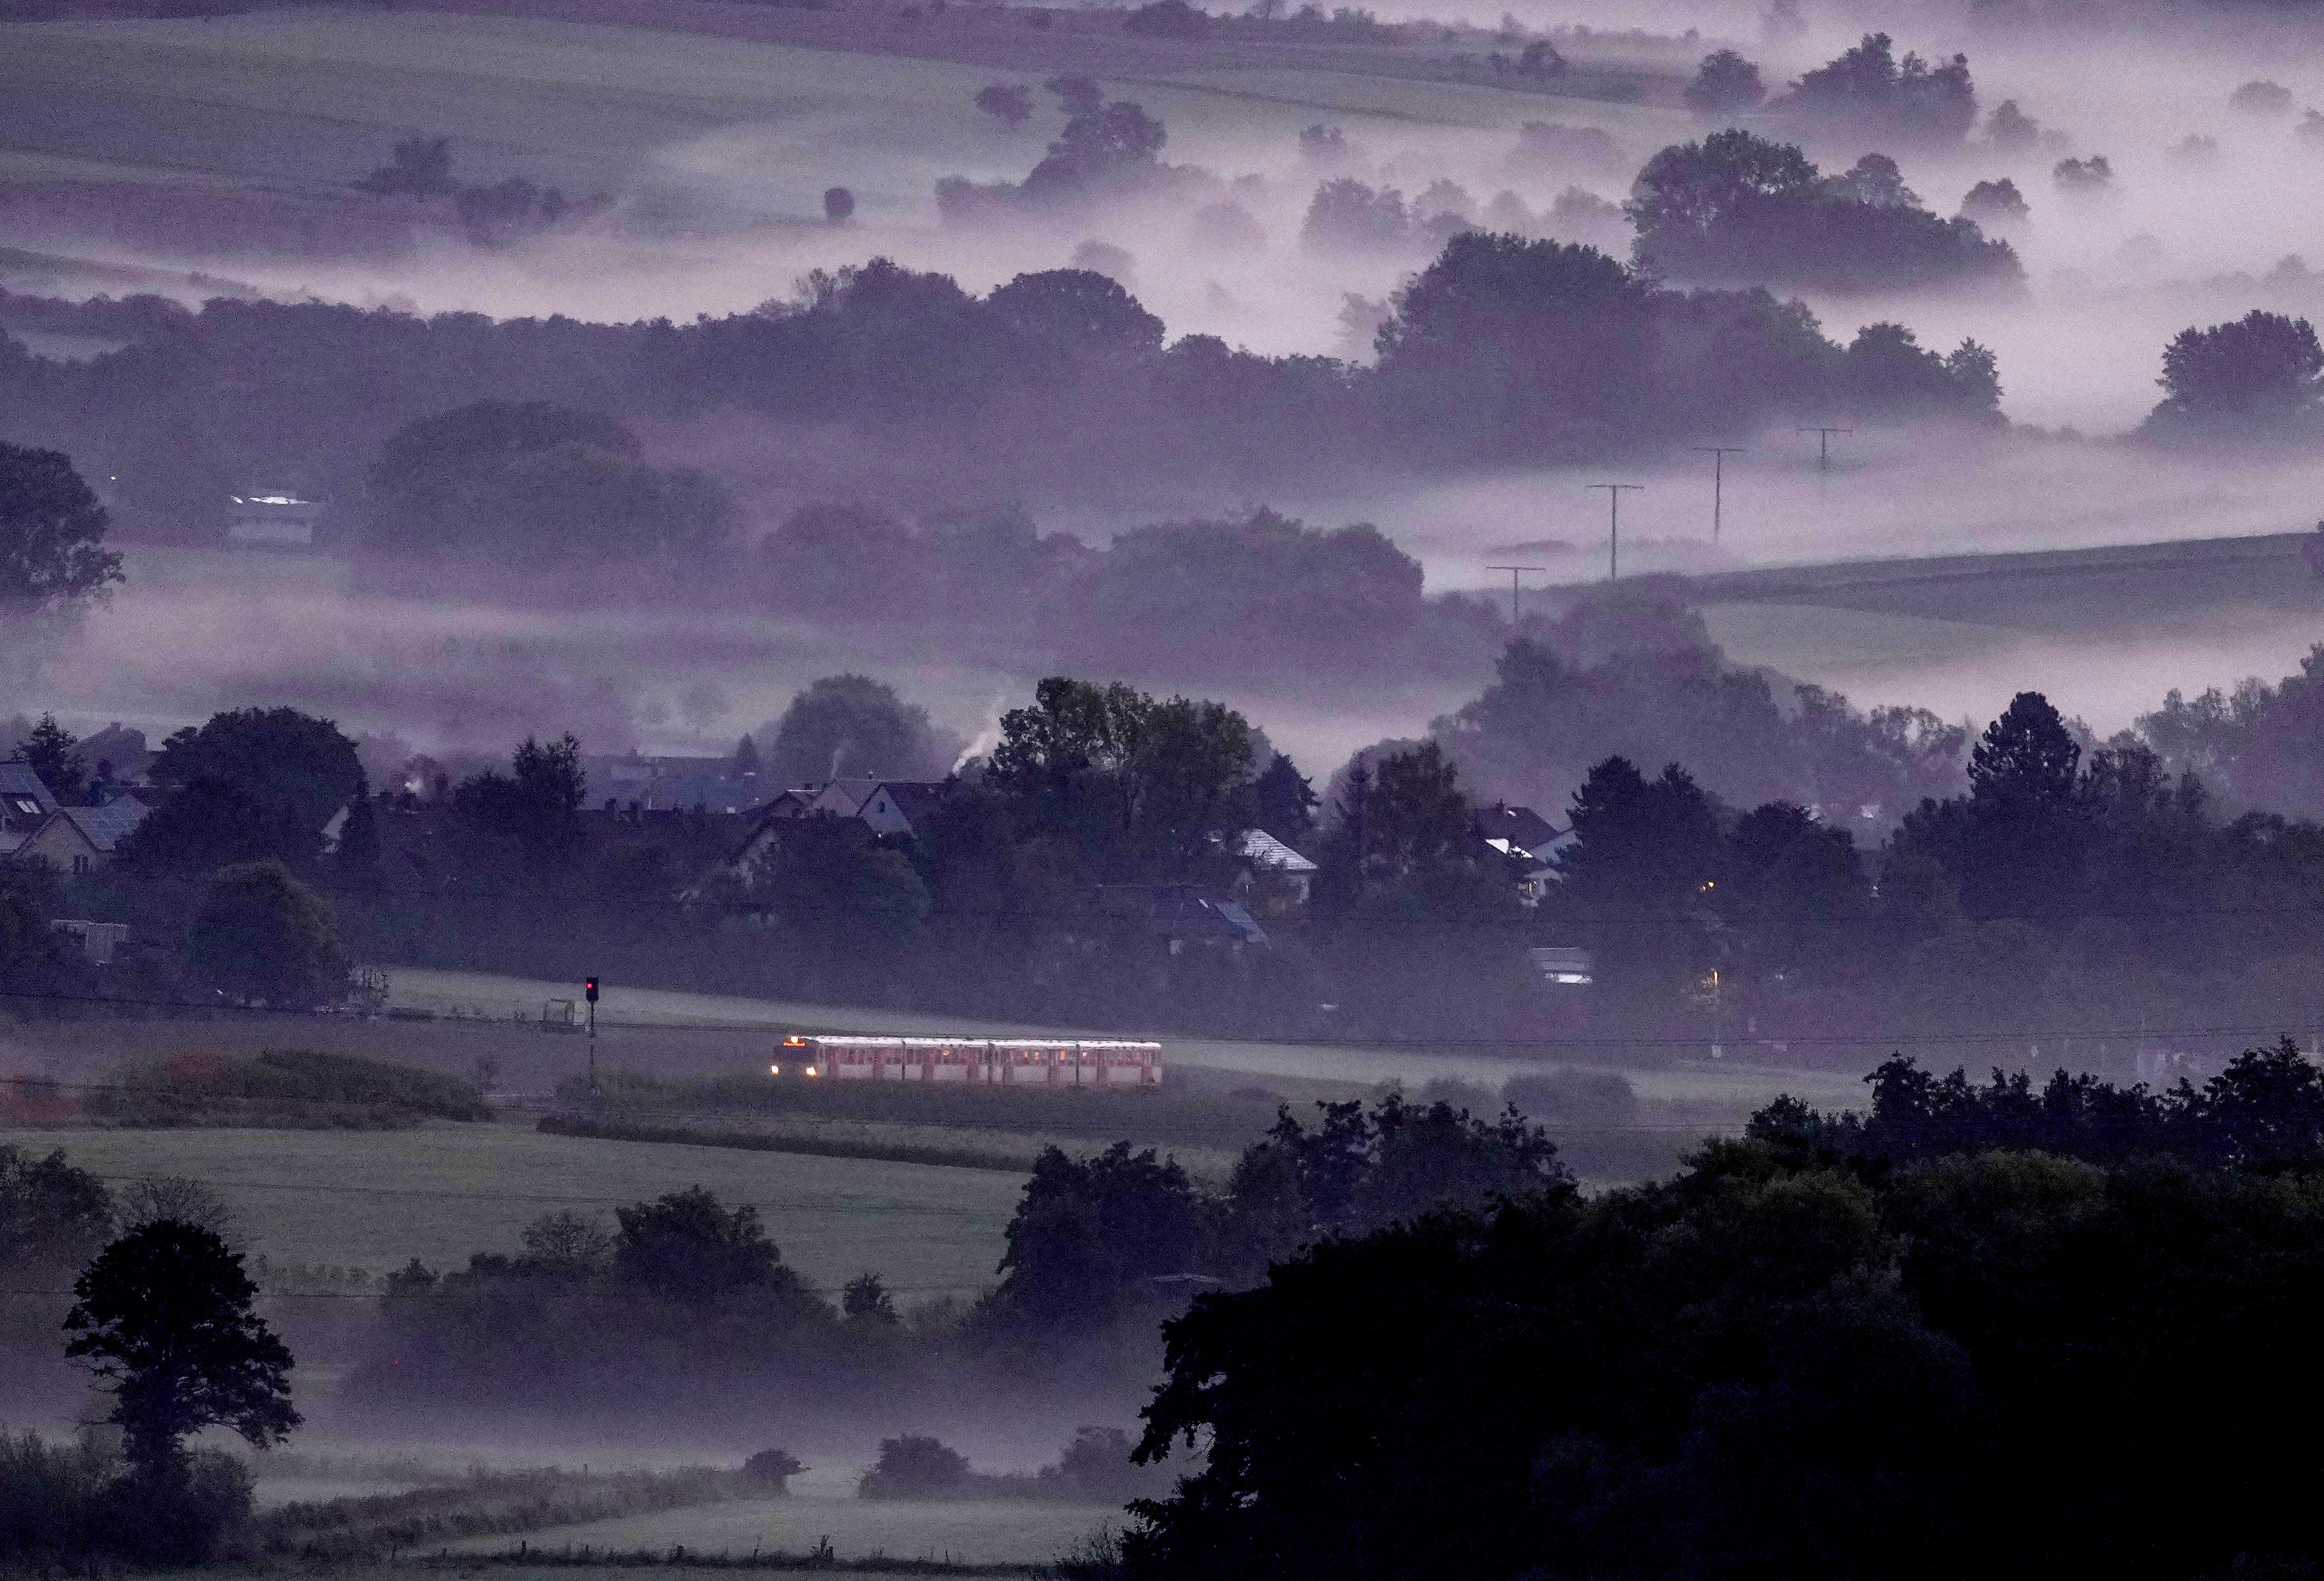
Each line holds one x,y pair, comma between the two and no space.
973,1062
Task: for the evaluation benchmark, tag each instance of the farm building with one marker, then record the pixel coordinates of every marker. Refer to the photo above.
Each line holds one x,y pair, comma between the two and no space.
272,521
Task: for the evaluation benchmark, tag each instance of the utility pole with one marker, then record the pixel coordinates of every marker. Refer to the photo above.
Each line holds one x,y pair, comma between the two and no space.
1823,445
1718,454
1614,526
1515,572
589,992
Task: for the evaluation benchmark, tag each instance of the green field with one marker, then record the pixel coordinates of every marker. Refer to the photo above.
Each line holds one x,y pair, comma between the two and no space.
969,1531
712,131
375,1199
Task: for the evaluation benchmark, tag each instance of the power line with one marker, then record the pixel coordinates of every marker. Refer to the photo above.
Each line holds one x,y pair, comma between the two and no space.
1718,454
1515,572
1614,525
1824,444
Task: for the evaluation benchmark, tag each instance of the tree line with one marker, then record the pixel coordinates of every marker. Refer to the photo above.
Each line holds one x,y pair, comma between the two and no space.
1977,1330
1050,381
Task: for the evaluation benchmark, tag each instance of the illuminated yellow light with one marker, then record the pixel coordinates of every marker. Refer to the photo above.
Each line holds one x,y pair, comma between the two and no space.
810,1070
774,1069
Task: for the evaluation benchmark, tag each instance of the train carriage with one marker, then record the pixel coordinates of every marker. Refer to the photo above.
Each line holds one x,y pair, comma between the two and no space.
1048,1063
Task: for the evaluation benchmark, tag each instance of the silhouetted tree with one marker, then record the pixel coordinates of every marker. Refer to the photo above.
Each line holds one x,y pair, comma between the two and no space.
1008,102
1641,873
866,1297
688,1247
1284,802
538,804
277,757
422,167
541,482
1989,202
1740,207
51,530
1078,314
1723,84
54,1216
1346,215
913,1466
2261,99
2015,844
2261,368
2011,127
2084,176
51,750
1088,1232
1866,91
1098,149
213,822
846,727
831,880
1076,95
1141,785
261,935
165,1317
1166,19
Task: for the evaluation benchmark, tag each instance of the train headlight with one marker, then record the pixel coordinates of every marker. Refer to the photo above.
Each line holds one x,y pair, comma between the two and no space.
810,1070
774,1069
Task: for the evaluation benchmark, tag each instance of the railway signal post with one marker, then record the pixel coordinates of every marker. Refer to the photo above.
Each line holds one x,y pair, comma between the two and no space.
589,992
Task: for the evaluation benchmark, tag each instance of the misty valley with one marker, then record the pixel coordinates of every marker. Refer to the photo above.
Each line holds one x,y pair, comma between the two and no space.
1156,792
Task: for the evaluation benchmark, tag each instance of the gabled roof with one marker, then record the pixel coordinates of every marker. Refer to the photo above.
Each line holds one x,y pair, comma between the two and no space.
845,796
104,827
915,799
1180,909
1521,827
19,783
1262,849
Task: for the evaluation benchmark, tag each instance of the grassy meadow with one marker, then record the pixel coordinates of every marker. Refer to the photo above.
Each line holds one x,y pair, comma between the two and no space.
375,1199
713,129
960,1531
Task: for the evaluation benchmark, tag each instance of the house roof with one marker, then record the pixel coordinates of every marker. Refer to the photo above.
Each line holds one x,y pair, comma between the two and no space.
915,799
1262,849
845,796
104,827
1521,827
19,783
850,797
1180,909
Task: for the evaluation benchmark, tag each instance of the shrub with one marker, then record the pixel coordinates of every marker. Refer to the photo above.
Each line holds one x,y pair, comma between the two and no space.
151,1522
47,1493
292,1088
70,1505
485,1504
